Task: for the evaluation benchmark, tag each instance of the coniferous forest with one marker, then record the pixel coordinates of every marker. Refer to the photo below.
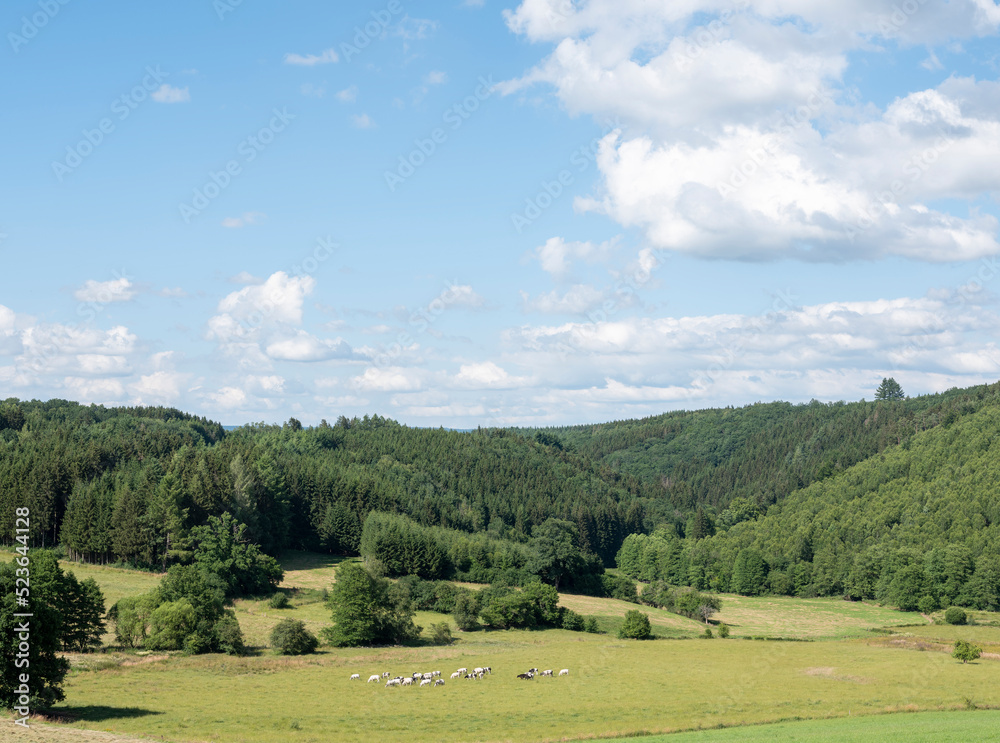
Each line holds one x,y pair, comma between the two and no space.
895,500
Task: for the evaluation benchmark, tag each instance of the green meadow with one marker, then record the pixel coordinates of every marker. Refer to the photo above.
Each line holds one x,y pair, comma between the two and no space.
843,679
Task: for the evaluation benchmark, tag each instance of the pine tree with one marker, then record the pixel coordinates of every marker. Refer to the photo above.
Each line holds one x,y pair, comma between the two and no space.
889,389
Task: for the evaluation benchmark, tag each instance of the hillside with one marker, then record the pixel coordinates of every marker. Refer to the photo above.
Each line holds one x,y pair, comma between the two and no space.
761,452
918,524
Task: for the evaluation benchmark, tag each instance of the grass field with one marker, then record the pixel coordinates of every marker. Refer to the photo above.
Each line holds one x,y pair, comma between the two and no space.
925,727
614,687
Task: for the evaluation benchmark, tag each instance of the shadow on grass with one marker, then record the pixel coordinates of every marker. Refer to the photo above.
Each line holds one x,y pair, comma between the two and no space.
99,713
296,560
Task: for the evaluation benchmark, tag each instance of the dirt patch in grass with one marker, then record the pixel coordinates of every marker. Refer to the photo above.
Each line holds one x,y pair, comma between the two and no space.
831,673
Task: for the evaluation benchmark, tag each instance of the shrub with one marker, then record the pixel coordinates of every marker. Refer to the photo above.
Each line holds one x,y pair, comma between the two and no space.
229,637
635,627
170,624
466,611
590,625
955,615
708,633
441,634
723,630
927,604
573,621
278,601
290,637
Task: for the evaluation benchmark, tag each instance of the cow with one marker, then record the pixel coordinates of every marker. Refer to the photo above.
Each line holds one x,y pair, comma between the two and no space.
547,673
408,681
439,682
374,677
385,674
435,673
426,682
532,670
456,675
564,672
417,675
355,676
462,670
488,670
478,670
525,676
391,682
428,676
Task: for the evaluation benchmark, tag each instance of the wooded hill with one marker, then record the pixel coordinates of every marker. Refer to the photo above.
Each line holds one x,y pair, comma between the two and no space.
871,499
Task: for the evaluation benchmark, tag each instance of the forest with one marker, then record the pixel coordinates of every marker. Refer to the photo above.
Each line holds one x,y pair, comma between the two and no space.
894,500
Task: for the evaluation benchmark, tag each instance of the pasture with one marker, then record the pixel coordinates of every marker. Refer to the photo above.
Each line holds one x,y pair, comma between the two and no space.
615,688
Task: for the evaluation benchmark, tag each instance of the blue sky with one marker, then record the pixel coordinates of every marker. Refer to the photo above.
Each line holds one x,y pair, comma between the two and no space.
490,213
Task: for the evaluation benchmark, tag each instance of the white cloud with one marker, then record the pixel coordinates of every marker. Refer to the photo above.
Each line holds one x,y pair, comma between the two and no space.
169,94
415,28
557,255
309,60
348,95
245,277
362,121
99,391
776,162
159,388
435,77
243,220
243,313
305,347
105,292
229,398
486,375
578,299
388,379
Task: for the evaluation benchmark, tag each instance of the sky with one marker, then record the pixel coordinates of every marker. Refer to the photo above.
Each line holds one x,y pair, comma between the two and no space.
486,213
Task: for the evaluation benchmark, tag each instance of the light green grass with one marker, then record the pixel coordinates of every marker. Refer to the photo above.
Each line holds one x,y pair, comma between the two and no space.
819,618
614,688
925,727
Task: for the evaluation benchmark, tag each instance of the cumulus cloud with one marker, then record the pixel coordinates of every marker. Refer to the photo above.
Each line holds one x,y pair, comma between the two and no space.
348,94
362,121
388,379
777,162
169,94
105,292
327,56
486,375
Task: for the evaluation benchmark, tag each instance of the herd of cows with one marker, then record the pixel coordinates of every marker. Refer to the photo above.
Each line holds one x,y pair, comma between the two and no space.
433,678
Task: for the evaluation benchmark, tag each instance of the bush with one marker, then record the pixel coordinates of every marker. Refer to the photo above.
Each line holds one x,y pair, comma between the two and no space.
228,635
708,633
927,604
466,611
170,624
635,627
590,625
278,601
441,634
290,637
723,630
572,621
954,615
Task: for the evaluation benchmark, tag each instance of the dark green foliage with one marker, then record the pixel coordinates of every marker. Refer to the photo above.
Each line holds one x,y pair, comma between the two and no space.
889,389
48,590
83,614
466,611
170,624
590,625
290,637
723,630
131,616
228,635
441,634
707,634
223,548
426,595
278,601
955,615
966,651
620,587
368,610
749,573
572,621
556,558
635,627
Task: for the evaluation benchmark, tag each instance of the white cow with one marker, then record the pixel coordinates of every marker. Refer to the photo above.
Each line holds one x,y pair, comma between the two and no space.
408,681
391,682
456,675
477,670
564,672
373,677
547,673
439,682
435,673
425,682
385,674
355,676
462,670
428,676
